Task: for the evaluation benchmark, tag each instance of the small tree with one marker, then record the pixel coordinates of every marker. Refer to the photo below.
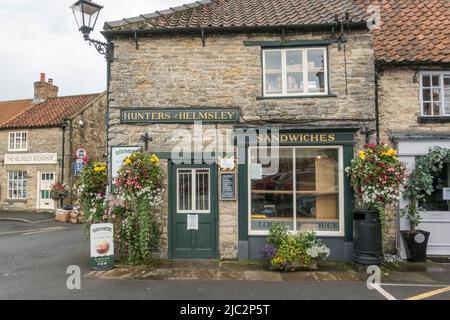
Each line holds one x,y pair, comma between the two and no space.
419,185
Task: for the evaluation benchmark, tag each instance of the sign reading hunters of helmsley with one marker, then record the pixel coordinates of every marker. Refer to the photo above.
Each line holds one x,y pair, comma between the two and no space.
179,115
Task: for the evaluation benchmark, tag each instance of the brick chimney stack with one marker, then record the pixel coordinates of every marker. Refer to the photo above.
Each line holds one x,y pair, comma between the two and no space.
44,90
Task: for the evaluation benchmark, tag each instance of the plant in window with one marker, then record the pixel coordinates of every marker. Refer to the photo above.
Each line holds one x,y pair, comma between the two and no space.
376,175
418,187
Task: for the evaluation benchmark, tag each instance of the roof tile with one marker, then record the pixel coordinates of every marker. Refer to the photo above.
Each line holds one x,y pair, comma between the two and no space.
51,112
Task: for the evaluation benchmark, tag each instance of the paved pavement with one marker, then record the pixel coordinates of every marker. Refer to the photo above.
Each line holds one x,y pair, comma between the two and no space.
34,258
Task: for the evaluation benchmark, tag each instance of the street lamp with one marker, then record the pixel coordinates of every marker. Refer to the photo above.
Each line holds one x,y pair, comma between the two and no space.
86,13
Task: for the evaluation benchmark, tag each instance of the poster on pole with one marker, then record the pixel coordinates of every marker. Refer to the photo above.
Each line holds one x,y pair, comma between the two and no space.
118,154
102,246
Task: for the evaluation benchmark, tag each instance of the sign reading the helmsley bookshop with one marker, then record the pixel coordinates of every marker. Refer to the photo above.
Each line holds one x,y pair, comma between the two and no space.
31,158
179,115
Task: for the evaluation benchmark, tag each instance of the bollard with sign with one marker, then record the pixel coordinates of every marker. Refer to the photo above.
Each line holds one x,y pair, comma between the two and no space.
102,246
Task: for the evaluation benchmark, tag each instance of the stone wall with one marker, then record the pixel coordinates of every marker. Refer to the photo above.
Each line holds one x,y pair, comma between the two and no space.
47,140
177,71
87,129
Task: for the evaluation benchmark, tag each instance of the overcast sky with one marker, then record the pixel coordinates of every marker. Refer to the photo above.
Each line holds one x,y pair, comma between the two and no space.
41,36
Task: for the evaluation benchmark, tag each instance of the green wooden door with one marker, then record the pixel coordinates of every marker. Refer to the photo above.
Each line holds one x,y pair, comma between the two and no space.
193,196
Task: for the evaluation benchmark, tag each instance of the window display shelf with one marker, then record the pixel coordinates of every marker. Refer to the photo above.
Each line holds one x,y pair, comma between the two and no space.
312,193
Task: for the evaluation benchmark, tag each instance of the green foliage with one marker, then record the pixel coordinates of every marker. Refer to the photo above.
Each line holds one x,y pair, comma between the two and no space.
419,185
277,234
139,186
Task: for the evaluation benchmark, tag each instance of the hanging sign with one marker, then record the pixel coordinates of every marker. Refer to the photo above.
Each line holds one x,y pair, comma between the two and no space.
192,221
179,115
227,186
118,154
102,246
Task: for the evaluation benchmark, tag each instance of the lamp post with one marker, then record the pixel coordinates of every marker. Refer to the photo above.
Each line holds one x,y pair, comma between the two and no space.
86,14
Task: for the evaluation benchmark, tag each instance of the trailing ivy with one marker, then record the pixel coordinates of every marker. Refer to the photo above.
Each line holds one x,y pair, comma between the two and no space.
419,185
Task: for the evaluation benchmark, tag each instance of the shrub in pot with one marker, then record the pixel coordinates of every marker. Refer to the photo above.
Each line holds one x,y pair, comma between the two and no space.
376,175
418,187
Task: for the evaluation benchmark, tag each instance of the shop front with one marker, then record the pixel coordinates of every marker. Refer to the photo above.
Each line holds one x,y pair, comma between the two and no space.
436,209
297,178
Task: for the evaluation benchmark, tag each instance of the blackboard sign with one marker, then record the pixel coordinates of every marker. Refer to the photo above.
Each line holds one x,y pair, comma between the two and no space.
228,186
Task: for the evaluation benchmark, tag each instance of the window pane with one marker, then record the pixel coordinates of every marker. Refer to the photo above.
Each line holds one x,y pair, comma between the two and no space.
202,190
294,82
294,61
436,94
272,191
436,108
184,190
426,81
436,202
316,81
273,83
447,82
435,81
447,108
427,109
426,95
317,193
273,61
316,59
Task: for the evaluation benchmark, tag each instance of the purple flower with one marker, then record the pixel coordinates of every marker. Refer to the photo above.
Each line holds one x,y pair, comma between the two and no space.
268,252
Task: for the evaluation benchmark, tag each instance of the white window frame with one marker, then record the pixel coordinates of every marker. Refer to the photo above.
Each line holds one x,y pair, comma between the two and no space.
193,186
24,185
305,92
341,232
441,74
21,136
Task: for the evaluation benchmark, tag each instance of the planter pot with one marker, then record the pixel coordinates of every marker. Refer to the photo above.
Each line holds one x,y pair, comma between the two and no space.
416,244
367,241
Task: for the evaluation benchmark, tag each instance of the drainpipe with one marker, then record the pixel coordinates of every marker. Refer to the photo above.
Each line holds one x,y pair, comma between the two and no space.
63,155
377,110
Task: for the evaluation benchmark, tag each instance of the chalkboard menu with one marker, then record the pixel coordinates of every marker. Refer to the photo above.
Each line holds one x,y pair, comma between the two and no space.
228,186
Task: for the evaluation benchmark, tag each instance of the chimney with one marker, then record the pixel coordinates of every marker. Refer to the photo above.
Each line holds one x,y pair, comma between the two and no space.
44,90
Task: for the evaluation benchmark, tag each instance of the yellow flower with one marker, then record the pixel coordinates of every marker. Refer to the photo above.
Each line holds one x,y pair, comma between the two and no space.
362,155
389,153
154,159
128,161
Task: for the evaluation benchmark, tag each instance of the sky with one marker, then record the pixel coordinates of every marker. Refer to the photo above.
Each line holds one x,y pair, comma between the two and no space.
41,36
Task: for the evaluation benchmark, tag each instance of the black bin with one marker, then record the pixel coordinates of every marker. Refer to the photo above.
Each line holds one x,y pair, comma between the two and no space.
367,243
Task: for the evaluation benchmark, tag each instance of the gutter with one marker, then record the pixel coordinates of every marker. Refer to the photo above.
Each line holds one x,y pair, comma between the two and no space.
189,30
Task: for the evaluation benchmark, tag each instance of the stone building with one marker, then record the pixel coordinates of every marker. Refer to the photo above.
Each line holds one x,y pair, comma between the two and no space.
300,77
412,52
38,144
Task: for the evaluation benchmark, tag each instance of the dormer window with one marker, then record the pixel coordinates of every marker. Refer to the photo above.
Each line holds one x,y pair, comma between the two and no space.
435,93
17,141
295,72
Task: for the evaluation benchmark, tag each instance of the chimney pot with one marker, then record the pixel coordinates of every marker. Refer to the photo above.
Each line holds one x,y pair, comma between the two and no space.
42,77
50,80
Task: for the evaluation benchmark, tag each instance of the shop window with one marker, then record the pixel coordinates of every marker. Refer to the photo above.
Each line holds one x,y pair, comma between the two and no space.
193,191
439,199
303,192
17,184
435,93
17,141
295,72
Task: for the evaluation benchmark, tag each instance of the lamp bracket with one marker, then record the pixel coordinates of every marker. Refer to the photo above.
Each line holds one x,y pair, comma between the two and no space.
105,49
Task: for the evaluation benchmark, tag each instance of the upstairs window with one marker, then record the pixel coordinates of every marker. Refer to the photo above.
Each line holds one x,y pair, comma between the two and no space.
17,141
295,72
435,93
